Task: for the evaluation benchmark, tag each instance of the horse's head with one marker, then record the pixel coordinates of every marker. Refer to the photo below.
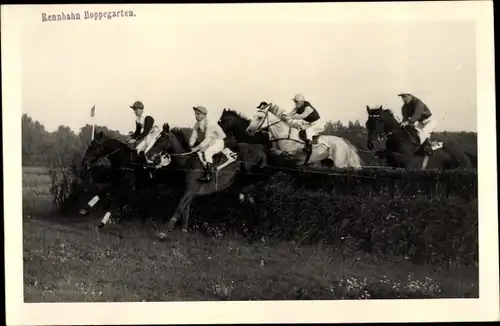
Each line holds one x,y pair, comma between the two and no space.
232,122
265,117
160,152
381,122
374,126
101,147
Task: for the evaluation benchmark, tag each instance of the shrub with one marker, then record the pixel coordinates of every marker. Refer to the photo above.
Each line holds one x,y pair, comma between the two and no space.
426,216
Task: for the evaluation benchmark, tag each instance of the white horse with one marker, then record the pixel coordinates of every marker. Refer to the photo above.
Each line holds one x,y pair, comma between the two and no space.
291,139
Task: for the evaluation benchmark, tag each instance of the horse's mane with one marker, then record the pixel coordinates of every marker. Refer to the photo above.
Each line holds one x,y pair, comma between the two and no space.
274,109
238,115
389,112
112,139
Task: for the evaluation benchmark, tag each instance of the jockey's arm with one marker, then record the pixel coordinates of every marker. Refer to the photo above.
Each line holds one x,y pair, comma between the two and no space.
290,114
148,124
308,110
137,131
419,109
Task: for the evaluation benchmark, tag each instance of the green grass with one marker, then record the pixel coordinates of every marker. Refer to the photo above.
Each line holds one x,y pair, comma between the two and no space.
36,196
68,260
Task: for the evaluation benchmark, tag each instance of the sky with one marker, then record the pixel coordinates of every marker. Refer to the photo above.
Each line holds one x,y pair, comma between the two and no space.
173,65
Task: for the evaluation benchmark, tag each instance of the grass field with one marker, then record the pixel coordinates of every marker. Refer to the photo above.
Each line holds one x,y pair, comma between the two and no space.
67,259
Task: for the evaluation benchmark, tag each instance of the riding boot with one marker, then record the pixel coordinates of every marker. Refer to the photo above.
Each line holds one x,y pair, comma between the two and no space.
207,173
142,157
427,148
308,145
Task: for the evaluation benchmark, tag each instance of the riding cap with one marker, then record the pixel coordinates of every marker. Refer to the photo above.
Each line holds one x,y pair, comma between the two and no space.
262,105
200,109
299,98
404,93
137,106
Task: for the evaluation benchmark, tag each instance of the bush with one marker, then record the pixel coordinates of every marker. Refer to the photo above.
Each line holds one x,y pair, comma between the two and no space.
422,230
425,216
65,174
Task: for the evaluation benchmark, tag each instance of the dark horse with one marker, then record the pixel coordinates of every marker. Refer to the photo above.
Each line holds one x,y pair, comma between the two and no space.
172,149
403,147
127,170
123,159
234,125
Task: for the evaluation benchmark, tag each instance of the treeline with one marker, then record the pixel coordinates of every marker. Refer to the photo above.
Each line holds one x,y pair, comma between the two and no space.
39,146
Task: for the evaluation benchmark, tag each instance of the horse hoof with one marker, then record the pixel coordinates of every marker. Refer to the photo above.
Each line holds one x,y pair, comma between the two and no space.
162,235
251,200
242,198
184,230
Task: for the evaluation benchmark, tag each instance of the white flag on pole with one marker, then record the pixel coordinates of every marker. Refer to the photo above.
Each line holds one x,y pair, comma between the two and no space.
92,115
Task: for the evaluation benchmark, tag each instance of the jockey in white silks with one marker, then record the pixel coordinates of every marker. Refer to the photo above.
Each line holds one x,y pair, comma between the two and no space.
415,112
306,117
146,132
209,140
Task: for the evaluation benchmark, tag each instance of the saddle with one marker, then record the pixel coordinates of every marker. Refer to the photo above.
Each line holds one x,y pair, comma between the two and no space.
302,136
424,149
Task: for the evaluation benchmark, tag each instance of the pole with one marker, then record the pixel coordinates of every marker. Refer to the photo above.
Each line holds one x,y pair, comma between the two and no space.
92,115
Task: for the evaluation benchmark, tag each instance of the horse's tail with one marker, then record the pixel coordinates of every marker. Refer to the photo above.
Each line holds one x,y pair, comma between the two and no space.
462,160
472,159
353,158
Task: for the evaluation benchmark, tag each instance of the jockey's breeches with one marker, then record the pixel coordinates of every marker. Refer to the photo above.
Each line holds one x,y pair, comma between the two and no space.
425,128
215,147
312,128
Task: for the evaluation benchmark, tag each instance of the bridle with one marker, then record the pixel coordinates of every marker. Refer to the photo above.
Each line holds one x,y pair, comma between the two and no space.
265,110
88,167
384,133
161,152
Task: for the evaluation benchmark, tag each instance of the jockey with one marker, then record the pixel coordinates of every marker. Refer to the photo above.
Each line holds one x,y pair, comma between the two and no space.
146,131
416,112
307,117
209,138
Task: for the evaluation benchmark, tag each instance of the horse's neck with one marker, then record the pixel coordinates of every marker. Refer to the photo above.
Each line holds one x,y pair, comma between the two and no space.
279,128
176,149
239,126
395,131
239,131
391,125
120,156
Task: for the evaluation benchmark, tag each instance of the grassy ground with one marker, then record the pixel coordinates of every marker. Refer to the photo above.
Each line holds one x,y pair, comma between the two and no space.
68,260
36,196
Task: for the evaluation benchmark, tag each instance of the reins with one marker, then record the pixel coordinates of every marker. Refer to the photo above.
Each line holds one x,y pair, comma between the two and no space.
266,118
391,132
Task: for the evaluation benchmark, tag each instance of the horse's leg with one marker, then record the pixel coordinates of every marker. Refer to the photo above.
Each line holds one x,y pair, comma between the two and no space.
185,216
400,160
247,193
185,200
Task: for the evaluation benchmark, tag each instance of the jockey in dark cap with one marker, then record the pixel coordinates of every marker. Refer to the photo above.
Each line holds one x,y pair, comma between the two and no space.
146,131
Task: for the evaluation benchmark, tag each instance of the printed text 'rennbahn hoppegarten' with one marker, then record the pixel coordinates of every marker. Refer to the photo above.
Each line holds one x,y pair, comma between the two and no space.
95,15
